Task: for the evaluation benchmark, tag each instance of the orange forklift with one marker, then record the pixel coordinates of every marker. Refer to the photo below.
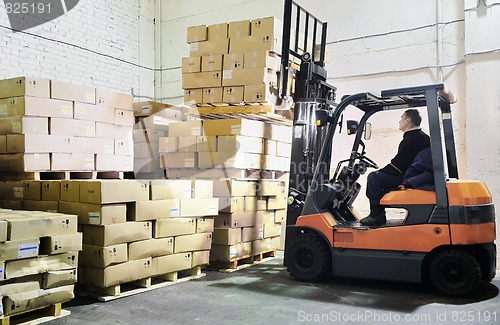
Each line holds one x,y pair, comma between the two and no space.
446,236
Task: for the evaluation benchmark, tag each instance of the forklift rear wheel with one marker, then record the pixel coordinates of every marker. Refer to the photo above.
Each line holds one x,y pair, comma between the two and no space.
308,259
455,273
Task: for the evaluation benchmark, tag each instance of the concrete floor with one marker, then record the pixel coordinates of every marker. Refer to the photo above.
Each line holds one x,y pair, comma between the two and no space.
264,293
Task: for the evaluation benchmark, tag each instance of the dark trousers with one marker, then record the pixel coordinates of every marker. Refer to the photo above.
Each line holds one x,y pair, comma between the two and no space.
378,184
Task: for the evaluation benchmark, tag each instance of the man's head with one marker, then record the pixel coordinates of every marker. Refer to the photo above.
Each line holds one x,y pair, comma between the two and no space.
409,119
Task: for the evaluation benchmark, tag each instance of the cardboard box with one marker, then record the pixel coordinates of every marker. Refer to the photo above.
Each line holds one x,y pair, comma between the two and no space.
284,149
104,130
22,302
200,258
38,143
209,47
233,61
225,253
19,249
94,145
217,31
206,143
193,95
260,94
116,233
272,230
152,210
48,206
95,113
197,33
18,287
201,80
40,264
23,86
187,128
168,144
164,189
61,244
231,204
24,125
277,202
234,126
255,203
35,225
96,214
148,135
146,150
51,190
239,28
35,106
11,190
150,248
32,190
124,117
21,162
212,62
276,163
236,143
266,26
119,273
202,189
234,188
233,94
240,160
124,147
149,107
114,99
54,279
268,42
281,133
191,64
148,166
174,227
212,95
114,163
71,127
179,160
204,225
252,233
270,147
3,144
194,242
2,276
187,144
101,257
199,207
3,230
73,92
113,191
266,244
271,188
172,263
12,204
262,59
241,77
235,220
227,236
280,215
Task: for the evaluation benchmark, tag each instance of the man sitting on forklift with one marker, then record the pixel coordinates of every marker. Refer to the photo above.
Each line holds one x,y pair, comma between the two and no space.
390,177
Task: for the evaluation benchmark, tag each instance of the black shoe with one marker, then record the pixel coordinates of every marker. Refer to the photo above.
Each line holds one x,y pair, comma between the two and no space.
372,220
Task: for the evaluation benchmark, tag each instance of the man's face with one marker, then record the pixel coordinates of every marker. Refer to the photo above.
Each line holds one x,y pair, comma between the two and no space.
404,123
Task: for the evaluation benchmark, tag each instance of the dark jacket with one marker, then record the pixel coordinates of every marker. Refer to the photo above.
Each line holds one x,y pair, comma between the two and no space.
420,173
413,142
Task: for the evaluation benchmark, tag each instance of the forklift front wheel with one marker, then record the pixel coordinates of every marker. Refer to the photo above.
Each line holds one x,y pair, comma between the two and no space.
455,273
308,259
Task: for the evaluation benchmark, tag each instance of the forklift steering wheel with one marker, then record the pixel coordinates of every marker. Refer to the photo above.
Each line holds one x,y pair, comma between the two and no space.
366,161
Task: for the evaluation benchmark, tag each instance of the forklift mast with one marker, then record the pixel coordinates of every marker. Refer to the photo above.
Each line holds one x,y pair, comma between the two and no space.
303,61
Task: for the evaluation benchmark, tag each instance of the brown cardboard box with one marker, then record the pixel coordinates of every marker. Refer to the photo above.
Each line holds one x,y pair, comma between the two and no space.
124,147
276,163
23,86
284,149
217,31
95,113
235,220
230,204
39,224
54,279
270,147
18,249
11,190
229,160
174,227
236,126
104,130
209,47
271,188
146,150
191,64
272,230
279,215
266,244
241,77
21,302
164,189
168,144
114,99
277,202
199,207
212,62
193,95
3,144
212,95
226,253
48,206
201,80
40,264
204,225
152,210
24,125
194,242
201,258
172,263
94,145
255,203
236,143
202,189
227,236
12,204
148,135
114,163
18,287
262,59
233,61
21,162
32,190
252,233
124,117
266,26
113,191
197,33
187,128
116,233
150,248
179,160
206,143
35,106
119,273
268,42
239,28
3,230
149,107
234,188
51,190
233,94
71,127
187,144
101,257
38,143
282,133
73,92
260,94
96,214
61,244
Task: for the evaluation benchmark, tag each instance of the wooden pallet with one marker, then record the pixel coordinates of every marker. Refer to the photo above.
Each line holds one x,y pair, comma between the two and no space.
225,173
60,175
144,285
36,316
242,262
265,113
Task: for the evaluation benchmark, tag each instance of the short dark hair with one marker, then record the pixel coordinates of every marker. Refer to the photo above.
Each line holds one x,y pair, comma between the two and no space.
414,116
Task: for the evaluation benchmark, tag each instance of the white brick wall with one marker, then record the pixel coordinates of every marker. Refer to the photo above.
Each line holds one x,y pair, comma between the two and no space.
88,45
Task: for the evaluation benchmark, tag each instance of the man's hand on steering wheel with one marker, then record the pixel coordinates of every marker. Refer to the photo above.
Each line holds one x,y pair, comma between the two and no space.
366,161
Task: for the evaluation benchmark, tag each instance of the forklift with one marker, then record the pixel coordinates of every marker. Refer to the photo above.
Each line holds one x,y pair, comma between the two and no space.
446,237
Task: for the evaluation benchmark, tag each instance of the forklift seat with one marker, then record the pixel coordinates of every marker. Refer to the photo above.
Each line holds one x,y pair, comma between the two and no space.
409,196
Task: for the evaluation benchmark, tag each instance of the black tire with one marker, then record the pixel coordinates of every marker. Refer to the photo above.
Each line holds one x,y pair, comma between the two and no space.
308,259
455,273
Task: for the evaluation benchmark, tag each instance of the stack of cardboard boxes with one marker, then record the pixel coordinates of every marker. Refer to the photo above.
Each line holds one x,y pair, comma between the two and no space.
38,259
11,195
232,62
52,125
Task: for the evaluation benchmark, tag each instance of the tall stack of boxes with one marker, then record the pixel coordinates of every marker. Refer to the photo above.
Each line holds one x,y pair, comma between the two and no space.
235,62
48,125
38,259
